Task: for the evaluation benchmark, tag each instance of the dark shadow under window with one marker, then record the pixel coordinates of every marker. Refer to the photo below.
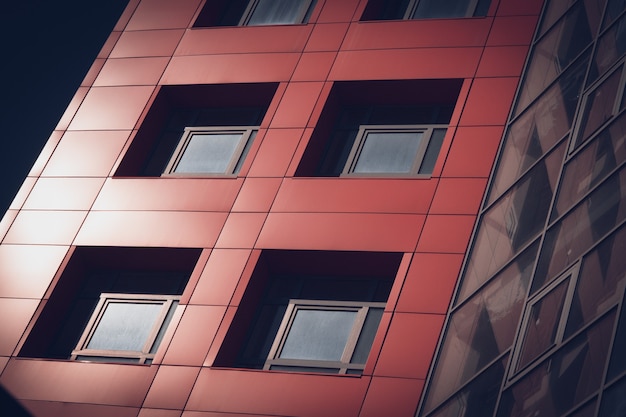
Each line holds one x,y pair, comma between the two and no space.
424,9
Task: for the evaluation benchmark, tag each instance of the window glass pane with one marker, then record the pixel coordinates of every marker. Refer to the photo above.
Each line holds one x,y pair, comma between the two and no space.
564,380
581,228
434,146
600,283
208,153
481,329
554,10
617,365
166,322
512,222
543,323
305,369
592,165
388,152
276,12
539,128
554,52
614,401
477,399
610,48
116,359
318,335
613,9
588,410
599,106
368,332
429,9
245,151
125,326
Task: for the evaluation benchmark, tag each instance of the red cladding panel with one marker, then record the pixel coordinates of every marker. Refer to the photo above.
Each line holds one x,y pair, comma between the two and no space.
327,37
336,11
173,194
153,412
194,335
355,195
237,40
493,94
63,409
86,154
47,150
296,105
473,151
171,387
26,271
163,14
517,30
409,345
275,153
220,277
22,193
396,397
241,230
151,228
147,43
131,71
235,68
257,194
502,61
111,108
116,384
93,72
275,393
71,108
446,233
338,231
6,221
429,283
64,193
15,313
45,227
314,66
458,196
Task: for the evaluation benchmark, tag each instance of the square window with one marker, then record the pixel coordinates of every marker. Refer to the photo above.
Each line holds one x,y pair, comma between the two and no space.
211,150
424,9
325,335
394,150
254,12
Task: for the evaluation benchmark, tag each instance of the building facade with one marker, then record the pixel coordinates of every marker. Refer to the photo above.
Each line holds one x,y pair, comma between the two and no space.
329,208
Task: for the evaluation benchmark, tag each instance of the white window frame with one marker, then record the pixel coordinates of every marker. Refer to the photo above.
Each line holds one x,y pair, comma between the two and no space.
359,142
344,365
144,356
305,6
412,7
247,135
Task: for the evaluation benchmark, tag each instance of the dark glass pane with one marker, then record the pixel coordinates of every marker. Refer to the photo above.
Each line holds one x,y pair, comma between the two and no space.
618,359
166,322
512,222
553,12
385,9
481,329
368,332
434,146
539,128
276,12
318,335
305,369
243,155
588,410
388,152
599,106
554,52
125,326
429,9
478,398
208,153
563,380
580,229
107,359
600,283
613,9
614,401
610,48
543,323
592,165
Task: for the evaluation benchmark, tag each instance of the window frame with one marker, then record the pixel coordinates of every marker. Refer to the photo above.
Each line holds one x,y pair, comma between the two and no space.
305,7
359,142
344,366
248,134
413,4
145,356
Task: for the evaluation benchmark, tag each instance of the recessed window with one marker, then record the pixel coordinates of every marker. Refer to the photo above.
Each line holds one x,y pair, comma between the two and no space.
424,9
254,12
333,336
211,150
395,150
125,326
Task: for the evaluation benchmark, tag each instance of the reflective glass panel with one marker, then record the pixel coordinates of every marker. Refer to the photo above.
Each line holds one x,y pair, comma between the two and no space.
318,335
276,12
434,146
388,152
208,153
368,332
481,329
125,326
610,48
617,365
564,380
432,9
614,401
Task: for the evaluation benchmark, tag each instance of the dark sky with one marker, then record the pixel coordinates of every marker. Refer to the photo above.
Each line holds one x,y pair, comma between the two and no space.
47,47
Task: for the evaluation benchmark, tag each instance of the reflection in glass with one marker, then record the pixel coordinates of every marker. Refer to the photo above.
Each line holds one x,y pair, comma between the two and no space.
277,12
614,401
482,328
617,365
208,153
388,152
592,165
564,380
538,128
600,283
512,222
580,229
368,332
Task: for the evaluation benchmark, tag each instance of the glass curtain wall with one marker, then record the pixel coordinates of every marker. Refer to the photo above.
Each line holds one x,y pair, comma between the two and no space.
538,326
